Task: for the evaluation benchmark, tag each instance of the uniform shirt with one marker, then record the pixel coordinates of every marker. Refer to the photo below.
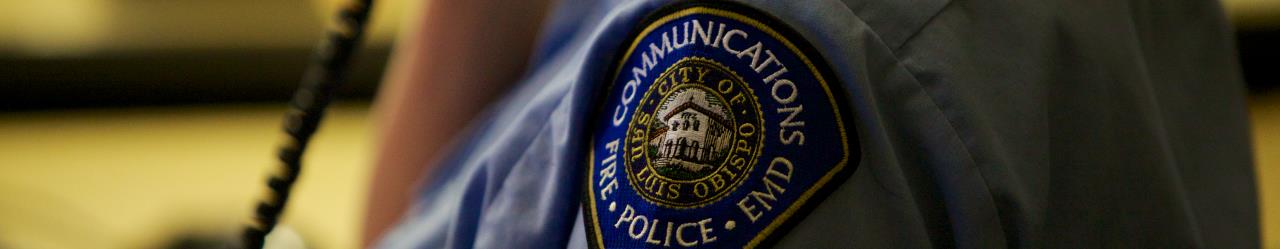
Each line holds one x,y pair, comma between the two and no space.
976,124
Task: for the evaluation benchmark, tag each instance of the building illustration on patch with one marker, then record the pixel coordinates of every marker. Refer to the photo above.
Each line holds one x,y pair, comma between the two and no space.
701,141
690,134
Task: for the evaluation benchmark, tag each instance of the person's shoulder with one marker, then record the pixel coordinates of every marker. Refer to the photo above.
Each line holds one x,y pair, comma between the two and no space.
718,125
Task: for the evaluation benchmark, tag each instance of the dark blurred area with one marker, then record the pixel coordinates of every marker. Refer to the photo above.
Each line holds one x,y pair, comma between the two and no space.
112,53
179,77
223,69
1259,53
150,123
1257,25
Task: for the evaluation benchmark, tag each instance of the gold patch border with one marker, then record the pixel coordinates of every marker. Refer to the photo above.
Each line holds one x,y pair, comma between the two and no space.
785,215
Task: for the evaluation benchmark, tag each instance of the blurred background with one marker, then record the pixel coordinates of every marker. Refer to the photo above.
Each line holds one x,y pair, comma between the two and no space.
151,124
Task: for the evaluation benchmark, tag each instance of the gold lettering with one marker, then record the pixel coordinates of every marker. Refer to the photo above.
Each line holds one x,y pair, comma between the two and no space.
747,129
628,213
705,231
655,53
612,146
790,121
719,35
766,62
663,86
738,98
774,172
631,229
768,194
775,75
610,165
680,235
772,189
698,31
728,172
728,35
649,239
725,86
666,241
753,51
702,73
684,73
609,172
790,97
608,189
686,40
717,181
637,151
700,189
738,162
748,209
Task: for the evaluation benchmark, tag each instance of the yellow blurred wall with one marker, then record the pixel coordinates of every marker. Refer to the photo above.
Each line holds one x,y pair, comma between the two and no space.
133,178
86,27
1264,111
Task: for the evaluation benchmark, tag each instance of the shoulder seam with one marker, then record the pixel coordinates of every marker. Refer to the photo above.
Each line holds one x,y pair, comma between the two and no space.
930,20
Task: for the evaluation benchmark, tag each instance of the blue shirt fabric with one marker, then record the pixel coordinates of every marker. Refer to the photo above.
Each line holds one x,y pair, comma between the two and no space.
981,124
516,178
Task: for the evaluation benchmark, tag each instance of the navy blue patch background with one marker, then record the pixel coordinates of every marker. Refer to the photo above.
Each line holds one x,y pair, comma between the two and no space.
826,144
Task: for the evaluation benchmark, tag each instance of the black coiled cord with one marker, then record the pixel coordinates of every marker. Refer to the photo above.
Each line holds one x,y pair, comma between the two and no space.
327,71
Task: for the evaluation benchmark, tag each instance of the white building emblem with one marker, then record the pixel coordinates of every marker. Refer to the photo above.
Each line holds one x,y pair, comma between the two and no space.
695,135
691,134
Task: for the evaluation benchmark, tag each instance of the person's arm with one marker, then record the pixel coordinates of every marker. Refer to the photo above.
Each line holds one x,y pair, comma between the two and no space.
456,59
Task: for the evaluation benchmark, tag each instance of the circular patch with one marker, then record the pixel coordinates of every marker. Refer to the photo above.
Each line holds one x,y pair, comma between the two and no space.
700,123
719,127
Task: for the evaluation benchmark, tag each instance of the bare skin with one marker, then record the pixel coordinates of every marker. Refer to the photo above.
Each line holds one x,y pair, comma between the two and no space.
458,57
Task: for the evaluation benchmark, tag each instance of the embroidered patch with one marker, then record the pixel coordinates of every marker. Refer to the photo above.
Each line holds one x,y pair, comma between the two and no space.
718,130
